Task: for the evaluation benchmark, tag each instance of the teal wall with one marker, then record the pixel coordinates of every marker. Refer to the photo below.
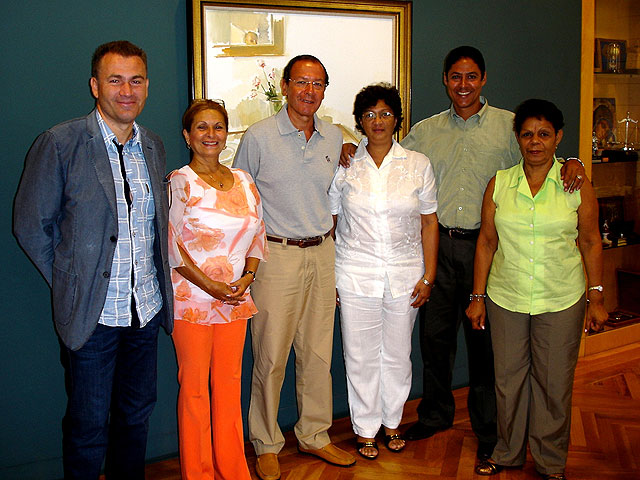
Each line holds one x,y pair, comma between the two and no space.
531,48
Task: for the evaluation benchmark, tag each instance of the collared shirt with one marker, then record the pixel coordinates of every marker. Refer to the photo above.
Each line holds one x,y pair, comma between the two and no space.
465,155
292,174
537,267
379,226
136,234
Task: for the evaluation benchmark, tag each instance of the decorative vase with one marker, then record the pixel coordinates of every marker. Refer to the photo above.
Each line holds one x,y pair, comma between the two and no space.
275,105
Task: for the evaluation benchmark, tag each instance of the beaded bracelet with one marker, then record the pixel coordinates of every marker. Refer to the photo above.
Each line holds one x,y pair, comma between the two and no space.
477,297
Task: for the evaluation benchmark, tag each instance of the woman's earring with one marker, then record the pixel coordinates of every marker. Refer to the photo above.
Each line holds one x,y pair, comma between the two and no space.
188,146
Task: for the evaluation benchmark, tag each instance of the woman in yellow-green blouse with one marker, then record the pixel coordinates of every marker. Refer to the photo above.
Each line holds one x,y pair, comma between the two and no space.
529,280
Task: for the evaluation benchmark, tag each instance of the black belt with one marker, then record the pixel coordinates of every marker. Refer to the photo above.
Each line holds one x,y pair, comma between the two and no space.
299,242
461,233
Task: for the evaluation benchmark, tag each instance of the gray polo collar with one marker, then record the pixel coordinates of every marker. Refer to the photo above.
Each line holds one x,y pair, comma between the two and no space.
285,127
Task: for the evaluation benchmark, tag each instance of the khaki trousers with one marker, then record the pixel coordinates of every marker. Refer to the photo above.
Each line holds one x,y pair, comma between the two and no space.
535,358
295,295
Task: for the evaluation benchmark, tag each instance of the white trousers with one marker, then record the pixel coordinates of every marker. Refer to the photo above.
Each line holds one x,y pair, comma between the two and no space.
376,339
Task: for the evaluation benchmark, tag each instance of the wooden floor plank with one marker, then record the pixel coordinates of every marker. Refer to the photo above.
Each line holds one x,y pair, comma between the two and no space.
605,439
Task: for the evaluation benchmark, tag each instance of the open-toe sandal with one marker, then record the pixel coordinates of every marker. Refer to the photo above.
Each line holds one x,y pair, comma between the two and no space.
487,467
367,444
390,438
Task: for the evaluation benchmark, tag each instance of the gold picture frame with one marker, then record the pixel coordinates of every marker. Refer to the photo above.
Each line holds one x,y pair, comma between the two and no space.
360,42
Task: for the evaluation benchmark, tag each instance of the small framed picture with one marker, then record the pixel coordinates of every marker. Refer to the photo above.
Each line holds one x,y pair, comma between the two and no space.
604,121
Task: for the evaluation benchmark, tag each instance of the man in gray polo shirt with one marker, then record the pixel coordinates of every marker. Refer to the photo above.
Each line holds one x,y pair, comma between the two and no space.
292,157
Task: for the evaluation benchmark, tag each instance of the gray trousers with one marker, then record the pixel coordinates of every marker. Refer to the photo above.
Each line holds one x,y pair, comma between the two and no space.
535,358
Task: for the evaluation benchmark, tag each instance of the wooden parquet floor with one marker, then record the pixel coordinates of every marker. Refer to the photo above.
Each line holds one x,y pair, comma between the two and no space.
605,436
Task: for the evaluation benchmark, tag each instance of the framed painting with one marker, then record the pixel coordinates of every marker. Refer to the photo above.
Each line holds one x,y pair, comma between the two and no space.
239,49
604,120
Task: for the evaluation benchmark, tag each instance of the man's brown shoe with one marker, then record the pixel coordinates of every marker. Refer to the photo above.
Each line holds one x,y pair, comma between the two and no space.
267,466
331,454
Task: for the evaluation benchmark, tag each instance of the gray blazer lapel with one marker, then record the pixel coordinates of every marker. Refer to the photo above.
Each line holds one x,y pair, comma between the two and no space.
155,166
98,155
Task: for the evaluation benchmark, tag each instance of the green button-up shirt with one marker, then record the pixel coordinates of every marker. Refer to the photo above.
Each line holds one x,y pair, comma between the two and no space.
537,267
465,155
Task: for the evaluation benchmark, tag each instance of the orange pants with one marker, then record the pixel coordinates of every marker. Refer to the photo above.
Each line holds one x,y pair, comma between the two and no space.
210,421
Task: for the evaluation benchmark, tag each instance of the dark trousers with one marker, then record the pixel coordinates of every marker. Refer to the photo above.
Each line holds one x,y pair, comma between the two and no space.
439,323
111,389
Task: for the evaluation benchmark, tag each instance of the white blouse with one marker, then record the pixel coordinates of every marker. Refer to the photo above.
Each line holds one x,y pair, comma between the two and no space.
378,233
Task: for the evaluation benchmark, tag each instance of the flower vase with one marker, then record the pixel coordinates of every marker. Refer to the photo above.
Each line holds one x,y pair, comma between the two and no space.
275,105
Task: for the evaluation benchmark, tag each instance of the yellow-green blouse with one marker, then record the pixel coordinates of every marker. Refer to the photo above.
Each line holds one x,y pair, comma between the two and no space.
537,267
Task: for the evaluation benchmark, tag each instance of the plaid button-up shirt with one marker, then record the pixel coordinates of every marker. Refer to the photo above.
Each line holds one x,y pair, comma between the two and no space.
136,234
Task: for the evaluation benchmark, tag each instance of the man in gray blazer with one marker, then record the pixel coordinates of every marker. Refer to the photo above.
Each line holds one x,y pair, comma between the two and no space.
91,214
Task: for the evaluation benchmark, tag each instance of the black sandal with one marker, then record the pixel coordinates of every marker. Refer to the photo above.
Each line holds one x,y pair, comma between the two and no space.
367,444
487,467
390,438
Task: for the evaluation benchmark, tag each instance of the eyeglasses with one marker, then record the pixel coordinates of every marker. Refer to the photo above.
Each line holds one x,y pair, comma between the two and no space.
302,84
370,116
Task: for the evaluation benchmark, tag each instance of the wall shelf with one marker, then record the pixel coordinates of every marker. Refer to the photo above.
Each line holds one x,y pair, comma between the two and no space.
617,78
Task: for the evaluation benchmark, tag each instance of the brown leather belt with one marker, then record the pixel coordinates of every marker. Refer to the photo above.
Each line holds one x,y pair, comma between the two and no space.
299,242
461,233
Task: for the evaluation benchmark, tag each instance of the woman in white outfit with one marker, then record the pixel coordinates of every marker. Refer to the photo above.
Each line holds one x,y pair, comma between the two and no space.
386,233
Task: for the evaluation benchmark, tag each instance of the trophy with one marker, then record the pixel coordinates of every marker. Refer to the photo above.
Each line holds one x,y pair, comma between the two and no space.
628,146
612,55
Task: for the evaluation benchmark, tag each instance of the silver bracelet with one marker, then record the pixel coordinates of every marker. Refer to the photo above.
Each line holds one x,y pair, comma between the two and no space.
477,297
575,158
427,282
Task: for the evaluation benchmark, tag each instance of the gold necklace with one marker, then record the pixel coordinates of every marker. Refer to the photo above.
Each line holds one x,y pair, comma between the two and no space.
219,182
213,179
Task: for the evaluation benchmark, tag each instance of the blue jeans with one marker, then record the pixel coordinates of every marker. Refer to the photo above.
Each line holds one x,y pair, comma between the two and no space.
111,389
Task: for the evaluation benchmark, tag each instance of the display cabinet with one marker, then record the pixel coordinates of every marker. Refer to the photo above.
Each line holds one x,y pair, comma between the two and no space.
609,145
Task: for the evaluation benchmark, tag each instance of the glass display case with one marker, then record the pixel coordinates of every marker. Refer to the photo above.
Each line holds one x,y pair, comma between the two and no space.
609,145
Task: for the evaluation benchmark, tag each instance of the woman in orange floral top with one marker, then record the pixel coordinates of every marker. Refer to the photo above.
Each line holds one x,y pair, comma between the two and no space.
216,240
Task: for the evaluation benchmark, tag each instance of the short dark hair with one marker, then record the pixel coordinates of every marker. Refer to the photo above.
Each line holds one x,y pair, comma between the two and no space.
464,51
368,97
123,48
299,58
200,105
540,109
